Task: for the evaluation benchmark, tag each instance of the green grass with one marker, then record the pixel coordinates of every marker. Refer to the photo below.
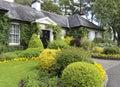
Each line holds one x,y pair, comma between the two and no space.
11,73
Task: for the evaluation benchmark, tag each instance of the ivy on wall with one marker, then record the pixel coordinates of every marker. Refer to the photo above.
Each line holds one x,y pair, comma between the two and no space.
4,29
56,30
27,29
79,32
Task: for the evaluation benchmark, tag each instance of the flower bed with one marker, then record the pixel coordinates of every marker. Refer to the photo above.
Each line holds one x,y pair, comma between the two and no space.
106,56
19,59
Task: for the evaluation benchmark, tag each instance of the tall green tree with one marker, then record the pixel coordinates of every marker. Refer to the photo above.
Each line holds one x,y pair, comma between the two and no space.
108,12
65,6
47,5
24,2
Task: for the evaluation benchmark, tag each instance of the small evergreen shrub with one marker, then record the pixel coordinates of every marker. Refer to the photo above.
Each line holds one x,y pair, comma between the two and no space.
112,50
39,79
68,39
8,56
58,44
70,55
6,48
47,58
80,74
97,49
86,43
30,52
35,42
104,42
99,40
31,79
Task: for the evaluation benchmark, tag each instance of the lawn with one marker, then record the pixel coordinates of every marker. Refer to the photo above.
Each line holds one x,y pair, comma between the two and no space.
11,73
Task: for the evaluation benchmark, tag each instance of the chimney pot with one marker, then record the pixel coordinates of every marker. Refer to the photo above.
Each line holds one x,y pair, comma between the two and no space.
36,4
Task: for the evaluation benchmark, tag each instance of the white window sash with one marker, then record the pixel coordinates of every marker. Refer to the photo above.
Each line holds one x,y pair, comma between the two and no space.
14,35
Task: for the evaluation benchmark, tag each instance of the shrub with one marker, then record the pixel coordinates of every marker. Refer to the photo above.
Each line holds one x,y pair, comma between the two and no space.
99,40
112,50
8,56
104,42
70,55
35,42
80,74
31,79
86,43
57,44
47,58
39,79
97,49
75,42
102,71
30,52
68,39
6,48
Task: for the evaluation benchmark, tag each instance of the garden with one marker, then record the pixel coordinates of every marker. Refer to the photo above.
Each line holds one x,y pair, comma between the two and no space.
64,63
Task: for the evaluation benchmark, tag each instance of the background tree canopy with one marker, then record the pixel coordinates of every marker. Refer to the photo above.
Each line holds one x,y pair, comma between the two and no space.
108,12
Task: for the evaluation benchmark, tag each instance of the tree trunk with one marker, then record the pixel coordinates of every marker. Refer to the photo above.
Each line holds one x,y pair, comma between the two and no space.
118,39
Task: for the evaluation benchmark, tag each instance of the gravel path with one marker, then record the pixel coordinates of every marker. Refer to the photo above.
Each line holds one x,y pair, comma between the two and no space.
112,68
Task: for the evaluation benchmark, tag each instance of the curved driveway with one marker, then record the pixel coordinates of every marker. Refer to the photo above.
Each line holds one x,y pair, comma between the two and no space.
112,68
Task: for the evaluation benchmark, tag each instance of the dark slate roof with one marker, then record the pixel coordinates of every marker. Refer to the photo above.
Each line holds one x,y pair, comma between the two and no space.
77,21
26,13
61,20
21,12
3,9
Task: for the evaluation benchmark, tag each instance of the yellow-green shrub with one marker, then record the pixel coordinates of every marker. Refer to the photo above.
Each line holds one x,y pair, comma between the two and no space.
102,71
97,49
68,39
81,74
47,58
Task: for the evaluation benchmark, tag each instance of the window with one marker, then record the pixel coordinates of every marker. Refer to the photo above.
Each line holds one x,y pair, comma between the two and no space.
14,34
88,34
96,33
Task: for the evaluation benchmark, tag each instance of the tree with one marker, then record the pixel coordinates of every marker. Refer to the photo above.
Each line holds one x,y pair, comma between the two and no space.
24,2
49,6
107,11
65,6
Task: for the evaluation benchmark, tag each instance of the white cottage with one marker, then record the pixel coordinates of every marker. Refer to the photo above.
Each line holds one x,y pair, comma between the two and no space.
35,14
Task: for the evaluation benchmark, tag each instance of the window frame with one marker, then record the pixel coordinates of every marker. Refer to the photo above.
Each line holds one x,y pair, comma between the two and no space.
14,34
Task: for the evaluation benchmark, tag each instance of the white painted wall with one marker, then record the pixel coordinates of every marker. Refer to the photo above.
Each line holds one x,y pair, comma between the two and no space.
92,34
9,0
63,33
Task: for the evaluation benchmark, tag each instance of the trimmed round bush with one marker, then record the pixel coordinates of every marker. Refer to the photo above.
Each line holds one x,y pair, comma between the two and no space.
47,58
112,50
58,44
35,42
70,55
81,74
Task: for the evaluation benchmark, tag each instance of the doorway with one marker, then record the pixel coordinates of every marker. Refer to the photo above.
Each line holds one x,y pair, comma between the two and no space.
45,37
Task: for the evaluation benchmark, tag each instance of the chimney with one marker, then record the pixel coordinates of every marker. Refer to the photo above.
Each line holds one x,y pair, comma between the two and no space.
36,4
10,1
